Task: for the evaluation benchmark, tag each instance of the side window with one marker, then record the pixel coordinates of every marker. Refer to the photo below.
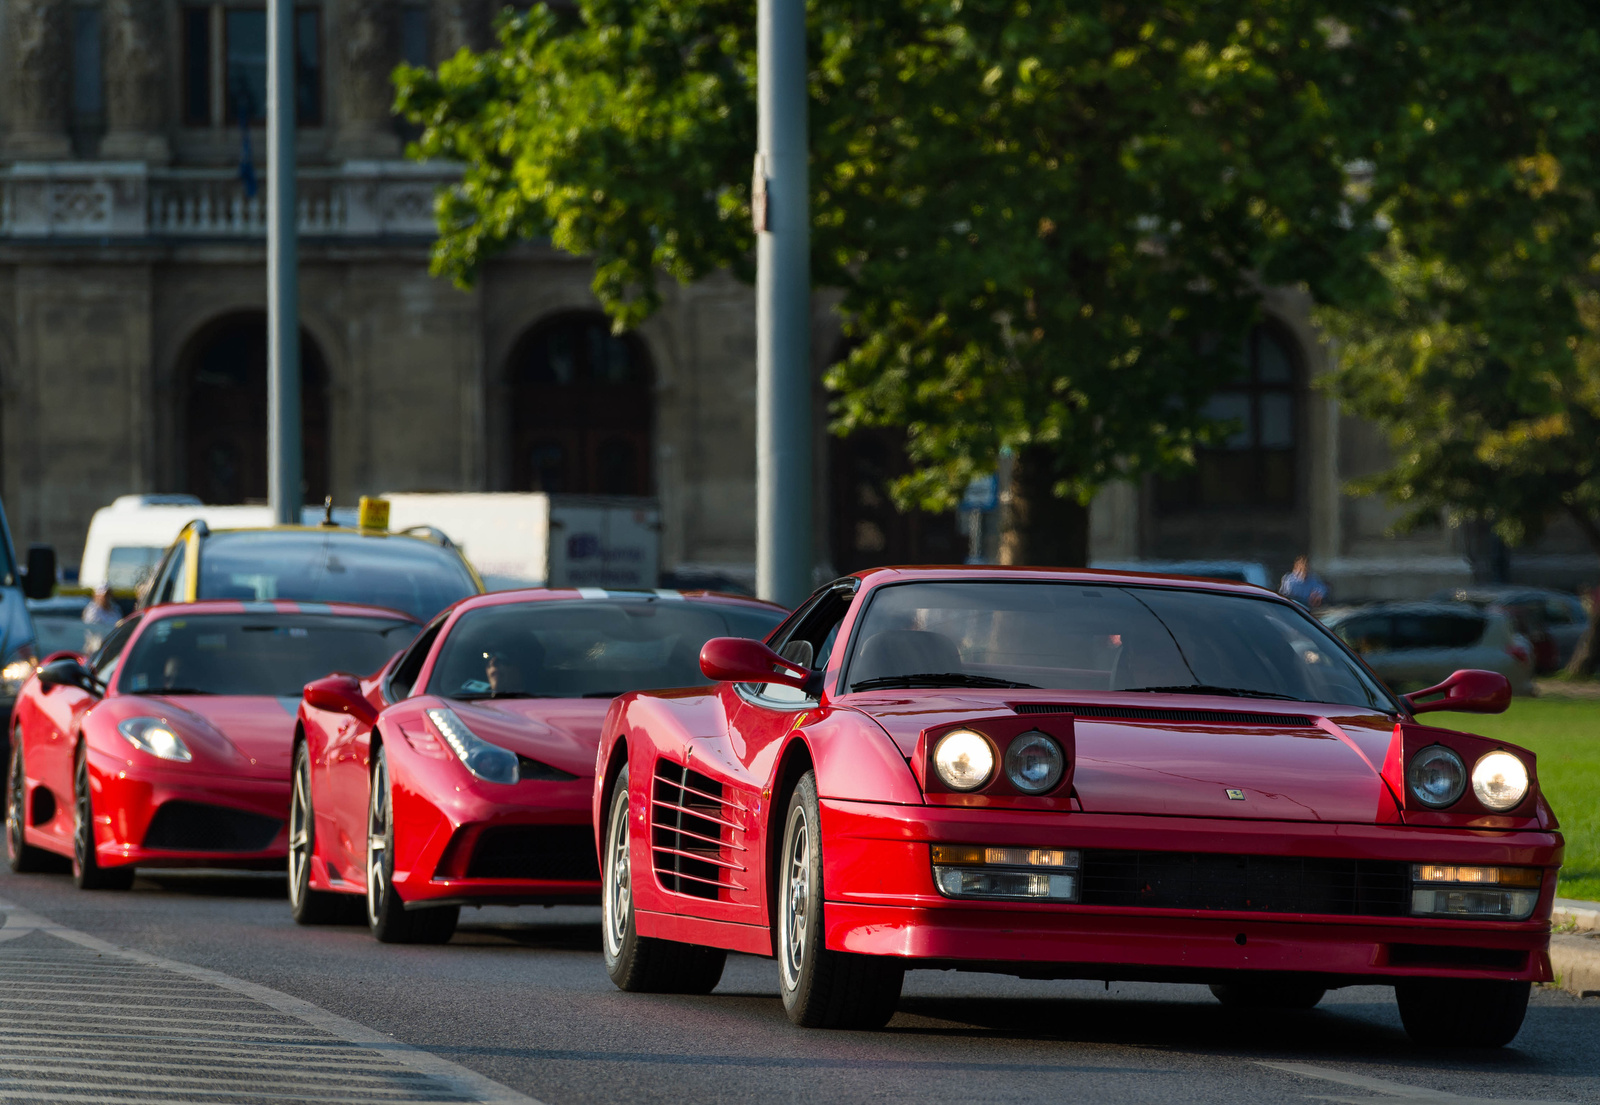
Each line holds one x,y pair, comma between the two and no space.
405,672
808,642
104,662
169,588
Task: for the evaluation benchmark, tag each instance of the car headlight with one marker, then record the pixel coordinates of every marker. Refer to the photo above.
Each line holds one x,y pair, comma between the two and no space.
1437,777
154,736
18,667
963,760
489,762
1500,780
1034,762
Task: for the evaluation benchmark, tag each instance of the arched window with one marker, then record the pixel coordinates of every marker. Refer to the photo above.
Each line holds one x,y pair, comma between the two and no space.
1256,465
224,412
581,409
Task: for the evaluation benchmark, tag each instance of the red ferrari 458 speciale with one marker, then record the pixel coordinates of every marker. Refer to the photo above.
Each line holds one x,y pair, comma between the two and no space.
462,773
171,746
1072,774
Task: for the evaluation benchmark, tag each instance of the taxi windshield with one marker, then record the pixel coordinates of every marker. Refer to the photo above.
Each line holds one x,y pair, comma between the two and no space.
590,648
1075,636
403,573
256,654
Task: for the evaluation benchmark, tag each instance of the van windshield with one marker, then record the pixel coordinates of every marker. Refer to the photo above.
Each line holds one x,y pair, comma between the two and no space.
1075,636
403,573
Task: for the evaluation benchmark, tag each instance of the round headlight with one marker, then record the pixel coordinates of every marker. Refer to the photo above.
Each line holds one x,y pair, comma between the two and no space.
1500,780
1437,776
1034,763
963,760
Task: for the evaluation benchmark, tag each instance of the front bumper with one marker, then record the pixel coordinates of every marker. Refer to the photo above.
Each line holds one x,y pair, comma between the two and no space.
881,900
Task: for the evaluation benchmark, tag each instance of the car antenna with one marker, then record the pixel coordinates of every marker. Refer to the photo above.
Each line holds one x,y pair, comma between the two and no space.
327,512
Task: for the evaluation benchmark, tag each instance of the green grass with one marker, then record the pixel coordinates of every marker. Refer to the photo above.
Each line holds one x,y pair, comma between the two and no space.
1565,734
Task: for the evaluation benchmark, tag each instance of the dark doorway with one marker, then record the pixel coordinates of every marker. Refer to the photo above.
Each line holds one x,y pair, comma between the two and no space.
867,531
581,409
225,413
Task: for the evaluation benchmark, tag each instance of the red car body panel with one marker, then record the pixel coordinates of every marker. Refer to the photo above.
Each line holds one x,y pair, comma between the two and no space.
441,810
1313,775
241,748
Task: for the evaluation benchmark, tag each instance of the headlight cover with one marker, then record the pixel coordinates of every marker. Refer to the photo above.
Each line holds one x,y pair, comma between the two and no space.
963,760
1034,762
153,736
1500,780
489,762
1436,776
18,667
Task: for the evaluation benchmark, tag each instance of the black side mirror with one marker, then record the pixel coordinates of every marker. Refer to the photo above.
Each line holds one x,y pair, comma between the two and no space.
69,672
39,582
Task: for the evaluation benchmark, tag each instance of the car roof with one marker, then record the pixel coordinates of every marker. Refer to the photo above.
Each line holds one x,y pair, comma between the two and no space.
877,577
549,594
274,606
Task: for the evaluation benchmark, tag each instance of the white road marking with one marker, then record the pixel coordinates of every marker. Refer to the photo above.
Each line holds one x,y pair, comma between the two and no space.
284,1049
1391,1089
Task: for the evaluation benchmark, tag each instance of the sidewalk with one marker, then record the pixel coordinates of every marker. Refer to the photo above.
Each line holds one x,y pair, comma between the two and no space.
1575,947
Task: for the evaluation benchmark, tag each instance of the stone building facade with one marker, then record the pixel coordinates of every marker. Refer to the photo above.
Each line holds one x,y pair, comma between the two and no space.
132,339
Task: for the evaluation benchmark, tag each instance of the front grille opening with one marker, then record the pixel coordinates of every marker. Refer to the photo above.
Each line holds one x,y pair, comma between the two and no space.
563,853
1157,713
1245,884
689,831
529,768
197,827
1448,955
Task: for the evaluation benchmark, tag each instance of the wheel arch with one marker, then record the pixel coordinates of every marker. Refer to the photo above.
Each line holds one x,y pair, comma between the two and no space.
796,760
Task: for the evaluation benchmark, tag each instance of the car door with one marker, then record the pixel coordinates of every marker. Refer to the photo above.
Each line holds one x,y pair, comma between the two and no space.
740,768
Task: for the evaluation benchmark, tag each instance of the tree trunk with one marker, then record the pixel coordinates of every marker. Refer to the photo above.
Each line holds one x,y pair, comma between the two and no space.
1585,662
1037,528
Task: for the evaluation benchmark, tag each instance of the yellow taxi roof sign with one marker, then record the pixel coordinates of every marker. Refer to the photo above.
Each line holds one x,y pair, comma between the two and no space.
374,514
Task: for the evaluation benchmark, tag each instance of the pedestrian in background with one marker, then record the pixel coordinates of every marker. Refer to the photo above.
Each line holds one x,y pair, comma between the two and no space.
1303,585
99,616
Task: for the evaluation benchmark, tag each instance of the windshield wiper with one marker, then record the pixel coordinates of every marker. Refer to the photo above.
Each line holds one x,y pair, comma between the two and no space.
179,690
602,694
1205,688
501,694
937,679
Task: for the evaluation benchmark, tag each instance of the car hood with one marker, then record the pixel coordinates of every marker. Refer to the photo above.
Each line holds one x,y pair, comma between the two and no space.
239,734
1286,769
561,732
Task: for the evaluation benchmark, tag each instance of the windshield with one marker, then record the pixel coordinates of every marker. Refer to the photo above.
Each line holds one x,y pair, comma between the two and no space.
1074,636
591,648
403,573
257,654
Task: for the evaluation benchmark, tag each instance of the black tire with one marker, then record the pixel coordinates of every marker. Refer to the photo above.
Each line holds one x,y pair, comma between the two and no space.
1450,1012
87,874
643,964
822,988
387,916
22,857
1268,994
309,907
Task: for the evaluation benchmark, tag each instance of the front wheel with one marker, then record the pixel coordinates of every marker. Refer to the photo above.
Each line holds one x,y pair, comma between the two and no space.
23,857
1452,1012
388,918
87,874
822,988
643,964
309,907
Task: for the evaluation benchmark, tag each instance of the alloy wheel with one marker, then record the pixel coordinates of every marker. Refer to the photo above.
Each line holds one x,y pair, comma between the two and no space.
16,802
299,833
378,843
792,917
83,820
618,889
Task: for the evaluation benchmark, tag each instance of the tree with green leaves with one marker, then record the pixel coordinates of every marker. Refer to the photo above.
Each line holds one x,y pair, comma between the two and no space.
1478,352
1049,220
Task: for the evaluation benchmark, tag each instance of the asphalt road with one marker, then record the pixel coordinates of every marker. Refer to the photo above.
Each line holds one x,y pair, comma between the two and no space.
520,998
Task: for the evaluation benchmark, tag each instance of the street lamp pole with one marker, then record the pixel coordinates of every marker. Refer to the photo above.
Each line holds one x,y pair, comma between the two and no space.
783,307
283,277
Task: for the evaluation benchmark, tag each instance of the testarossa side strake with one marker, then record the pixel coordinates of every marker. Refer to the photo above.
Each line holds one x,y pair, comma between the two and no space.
1072,774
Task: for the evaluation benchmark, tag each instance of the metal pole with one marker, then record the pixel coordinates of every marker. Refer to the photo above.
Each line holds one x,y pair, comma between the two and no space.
783,308
283,277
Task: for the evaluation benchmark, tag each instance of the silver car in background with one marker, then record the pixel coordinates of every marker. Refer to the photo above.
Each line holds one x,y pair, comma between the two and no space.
1411,645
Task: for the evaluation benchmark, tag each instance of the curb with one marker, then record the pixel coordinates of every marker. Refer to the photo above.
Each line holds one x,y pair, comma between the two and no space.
1575,953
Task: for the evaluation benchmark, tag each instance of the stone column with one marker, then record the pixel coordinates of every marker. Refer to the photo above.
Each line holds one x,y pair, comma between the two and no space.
365,51
459,23
135,68
35,73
